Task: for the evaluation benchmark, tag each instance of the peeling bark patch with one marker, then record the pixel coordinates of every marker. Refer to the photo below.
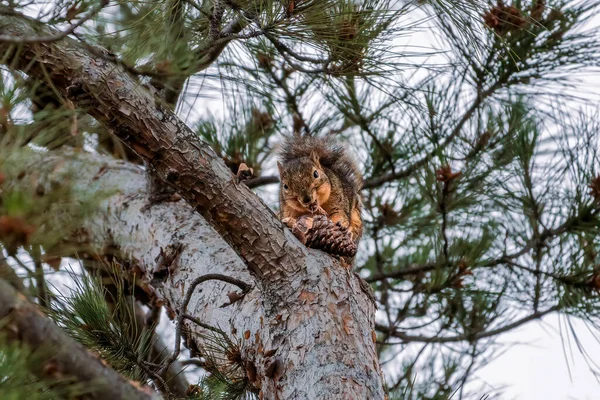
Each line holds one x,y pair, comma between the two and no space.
233,297
275,369
251,372
347,323
270,353
167,262
307,297
100,172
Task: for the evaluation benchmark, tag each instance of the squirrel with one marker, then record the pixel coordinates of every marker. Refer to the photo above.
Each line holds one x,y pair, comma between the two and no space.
319,177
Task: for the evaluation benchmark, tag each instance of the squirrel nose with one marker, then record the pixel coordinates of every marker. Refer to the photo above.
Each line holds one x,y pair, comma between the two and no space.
306,199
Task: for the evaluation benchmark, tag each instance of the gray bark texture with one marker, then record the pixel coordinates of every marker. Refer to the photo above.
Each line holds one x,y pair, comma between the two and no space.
306,327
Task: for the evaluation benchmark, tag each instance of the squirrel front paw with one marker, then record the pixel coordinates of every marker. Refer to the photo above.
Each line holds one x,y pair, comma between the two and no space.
316,209
289,221
298,229
301,228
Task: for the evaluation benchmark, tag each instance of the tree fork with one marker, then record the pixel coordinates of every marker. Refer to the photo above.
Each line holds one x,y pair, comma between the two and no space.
315,337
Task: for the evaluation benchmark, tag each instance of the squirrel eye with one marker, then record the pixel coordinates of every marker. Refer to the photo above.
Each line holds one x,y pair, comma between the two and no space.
316,174
285,186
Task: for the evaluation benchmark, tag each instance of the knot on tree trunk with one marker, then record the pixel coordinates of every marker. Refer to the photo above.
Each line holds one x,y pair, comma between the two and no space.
319,232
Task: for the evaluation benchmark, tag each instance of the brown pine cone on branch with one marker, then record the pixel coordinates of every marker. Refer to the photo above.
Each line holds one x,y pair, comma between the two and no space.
319,232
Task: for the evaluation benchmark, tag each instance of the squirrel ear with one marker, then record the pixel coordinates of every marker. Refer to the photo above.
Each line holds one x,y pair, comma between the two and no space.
315,157
280,168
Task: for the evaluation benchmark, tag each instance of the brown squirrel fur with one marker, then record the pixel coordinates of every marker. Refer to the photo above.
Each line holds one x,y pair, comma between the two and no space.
318,176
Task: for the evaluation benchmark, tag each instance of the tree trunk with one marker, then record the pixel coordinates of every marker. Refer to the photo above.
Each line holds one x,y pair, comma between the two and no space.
306,327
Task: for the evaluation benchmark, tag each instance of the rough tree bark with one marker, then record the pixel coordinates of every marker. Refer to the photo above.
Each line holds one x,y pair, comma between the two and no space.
306,328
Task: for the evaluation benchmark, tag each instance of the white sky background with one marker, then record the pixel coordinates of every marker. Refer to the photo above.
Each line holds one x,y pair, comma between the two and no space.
541,359
537,369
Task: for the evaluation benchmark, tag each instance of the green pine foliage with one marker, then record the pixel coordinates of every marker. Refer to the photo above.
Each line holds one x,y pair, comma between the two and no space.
226,378
215,388
105,323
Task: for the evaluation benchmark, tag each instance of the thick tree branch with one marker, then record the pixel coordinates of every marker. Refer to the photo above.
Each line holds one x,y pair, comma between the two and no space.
174,151
23,322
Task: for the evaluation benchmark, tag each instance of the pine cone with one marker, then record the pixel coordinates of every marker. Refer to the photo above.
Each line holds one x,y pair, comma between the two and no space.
503,19
319,232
